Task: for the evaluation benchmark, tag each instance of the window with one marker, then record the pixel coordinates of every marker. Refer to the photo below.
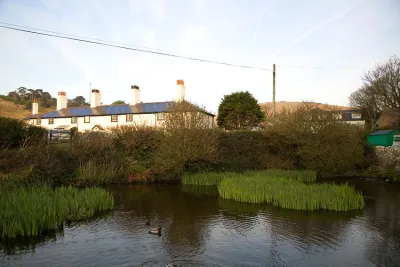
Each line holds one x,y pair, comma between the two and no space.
337,116
129,117
87,119
74,120
51,121
114,118
356,115
160,116
38,121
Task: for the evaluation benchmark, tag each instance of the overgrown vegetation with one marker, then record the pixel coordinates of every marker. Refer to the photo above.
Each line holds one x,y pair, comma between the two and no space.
294,140
288,189
290,194
215,178
32,211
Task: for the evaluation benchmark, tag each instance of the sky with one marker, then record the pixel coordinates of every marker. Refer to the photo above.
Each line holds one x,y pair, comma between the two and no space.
342,38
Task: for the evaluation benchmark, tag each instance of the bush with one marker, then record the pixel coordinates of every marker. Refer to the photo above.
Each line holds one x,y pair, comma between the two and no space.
16,133
187,143
46,164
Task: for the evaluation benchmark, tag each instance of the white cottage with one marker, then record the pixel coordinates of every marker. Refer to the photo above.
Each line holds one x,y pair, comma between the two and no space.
99,117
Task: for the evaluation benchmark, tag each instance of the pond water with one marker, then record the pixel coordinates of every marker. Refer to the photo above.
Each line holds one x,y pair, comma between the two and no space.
200,229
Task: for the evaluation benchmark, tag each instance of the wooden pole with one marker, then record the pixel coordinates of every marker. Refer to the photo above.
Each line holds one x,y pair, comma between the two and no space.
273,87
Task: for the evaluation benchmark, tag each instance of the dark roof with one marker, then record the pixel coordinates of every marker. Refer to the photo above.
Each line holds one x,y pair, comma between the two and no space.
141,108
382,132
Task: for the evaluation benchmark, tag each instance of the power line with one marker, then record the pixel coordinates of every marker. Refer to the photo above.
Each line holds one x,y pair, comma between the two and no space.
87,38
316,67
80,39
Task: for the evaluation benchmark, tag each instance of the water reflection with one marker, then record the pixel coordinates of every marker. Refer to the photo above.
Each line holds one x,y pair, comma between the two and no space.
201,229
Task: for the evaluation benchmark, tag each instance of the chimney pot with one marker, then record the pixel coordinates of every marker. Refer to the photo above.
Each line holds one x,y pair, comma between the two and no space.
95,98
180,90
61,100
135,95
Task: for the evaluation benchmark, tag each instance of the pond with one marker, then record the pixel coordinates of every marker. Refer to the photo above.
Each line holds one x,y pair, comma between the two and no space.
201,229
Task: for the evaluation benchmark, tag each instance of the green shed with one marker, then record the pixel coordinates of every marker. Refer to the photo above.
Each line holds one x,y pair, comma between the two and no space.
382,137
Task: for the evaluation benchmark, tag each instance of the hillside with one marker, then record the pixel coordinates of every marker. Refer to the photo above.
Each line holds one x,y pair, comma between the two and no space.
291,105
10,110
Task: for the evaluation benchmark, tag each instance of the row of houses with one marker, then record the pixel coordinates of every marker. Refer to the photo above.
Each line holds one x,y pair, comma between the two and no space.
99,117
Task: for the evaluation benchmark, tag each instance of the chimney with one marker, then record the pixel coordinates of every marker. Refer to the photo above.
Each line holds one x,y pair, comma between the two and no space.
95,98
35,107
61,100
135,95
180,90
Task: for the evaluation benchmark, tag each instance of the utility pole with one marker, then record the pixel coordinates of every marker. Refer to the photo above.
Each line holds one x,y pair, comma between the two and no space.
273,87
90,92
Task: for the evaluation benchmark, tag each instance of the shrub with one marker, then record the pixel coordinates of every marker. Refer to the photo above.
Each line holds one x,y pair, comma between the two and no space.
16,133
187,143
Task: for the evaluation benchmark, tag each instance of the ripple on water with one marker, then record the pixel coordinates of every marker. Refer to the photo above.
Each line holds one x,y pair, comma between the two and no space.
208,231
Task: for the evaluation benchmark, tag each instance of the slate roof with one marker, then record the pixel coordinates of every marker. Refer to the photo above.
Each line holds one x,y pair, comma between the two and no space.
382,132
141,108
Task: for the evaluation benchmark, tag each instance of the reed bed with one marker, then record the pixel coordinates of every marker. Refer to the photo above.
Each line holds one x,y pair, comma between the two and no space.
215,178
205,178
289,193
95,173
33,211
299,175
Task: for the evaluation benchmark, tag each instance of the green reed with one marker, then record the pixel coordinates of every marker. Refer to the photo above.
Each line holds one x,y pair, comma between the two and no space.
205,178
215,178
32,211
290,193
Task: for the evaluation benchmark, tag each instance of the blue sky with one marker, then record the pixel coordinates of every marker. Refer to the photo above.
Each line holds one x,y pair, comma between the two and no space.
344,37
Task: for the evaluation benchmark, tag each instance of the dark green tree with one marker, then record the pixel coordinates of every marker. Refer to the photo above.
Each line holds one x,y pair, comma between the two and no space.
239,111
119,102
78,101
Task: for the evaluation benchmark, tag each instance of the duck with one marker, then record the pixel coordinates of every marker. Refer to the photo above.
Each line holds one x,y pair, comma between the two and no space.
148,222
155,231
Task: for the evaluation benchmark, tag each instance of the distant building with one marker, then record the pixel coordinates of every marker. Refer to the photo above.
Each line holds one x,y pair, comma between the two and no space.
383,137
99,117
352,116
317,111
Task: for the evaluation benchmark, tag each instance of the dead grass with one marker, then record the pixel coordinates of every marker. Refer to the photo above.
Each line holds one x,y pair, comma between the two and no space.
10,110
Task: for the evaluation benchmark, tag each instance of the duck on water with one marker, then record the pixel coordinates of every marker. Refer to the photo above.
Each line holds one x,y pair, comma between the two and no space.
154,231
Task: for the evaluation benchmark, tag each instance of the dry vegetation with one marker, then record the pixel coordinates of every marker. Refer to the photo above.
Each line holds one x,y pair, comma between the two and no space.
10,110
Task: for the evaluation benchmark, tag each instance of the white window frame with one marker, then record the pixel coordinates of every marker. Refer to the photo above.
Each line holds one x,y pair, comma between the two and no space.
51,121
86,119
74,120
160,116
129,117
116,118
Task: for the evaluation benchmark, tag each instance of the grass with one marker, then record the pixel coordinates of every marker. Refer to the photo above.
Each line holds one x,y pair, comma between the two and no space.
36,210
289,193
205,178
215,178
94,173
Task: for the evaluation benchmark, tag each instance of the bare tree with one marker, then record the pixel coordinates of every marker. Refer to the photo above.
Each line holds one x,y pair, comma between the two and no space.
380,92
188,139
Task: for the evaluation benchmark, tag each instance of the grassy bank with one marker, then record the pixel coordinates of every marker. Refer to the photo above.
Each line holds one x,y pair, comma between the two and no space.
33,211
